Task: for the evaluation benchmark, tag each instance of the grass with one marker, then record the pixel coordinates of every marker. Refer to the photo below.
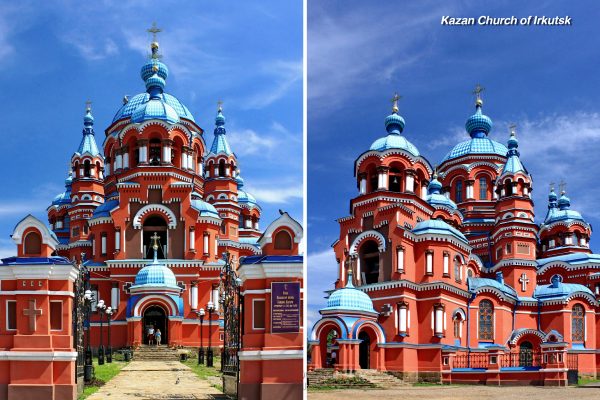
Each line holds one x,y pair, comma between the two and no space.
342,382
585,380
103,374
205,372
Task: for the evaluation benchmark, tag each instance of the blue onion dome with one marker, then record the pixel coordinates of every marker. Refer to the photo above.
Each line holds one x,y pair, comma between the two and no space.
552,199
156,274
220,118
204,208
240,181
435,197
513,142
435,186
88,119
564,203
394,125
349,298
478,124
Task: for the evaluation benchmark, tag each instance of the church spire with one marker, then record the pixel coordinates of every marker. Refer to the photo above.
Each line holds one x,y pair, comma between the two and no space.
394,123
220,143
88,142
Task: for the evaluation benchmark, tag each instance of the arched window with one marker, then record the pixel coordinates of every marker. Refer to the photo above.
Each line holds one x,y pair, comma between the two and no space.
223,228
283,241
32,243
87,169
486,320
482,189
457,321
369,262
578,323
395,180
458,194
222,168
155,149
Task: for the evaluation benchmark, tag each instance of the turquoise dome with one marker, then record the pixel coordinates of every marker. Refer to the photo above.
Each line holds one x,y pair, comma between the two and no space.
155,109
349,299
478,124
128,109
243,196
394,125
205,209
434,196
156,274
439,227
564,202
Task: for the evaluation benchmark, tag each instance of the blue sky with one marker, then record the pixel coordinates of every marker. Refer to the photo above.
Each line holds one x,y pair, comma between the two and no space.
544,79
56,55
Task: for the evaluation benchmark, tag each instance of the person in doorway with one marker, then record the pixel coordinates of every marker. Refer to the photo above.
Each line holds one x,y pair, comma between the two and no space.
333,358
151,334
157,336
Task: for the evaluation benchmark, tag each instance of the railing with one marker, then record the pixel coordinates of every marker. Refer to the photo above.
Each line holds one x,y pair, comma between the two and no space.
472,360
572,361
523,360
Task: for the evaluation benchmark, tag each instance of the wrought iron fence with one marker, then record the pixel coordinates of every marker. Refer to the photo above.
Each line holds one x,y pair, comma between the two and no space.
521,359
230,303
472,360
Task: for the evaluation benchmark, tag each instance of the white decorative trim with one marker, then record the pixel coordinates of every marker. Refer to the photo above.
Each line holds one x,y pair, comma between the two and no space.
368,235
38,355
51,272
38,293
284,221
259,355
270,270
32,222
172,220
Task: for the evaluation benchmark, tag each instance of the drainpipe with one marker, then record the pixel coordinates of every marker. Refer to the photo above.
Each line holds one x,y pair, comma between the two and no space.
515,313
469,301
539,322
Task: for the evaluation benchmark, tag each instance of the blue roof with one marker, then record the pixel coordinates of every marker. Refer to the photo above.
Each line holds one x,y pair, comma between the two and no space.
155,274
476,283
243,196
104,209
438,227
271,259
54,260
349,299
394,141
88,145
573,258
559,290
435,198
155,108
248,240
477,145
205,209
220,145
128,109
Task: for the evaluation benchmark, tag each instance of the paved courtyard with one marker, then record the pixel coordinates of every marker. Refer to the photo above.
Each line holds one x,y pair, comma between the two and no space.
168,380
462,393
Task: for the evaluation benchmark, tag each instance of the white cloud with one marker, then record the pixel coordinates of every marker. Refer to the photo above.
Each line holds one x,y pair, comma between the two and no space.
284,75
92,50
247,141
277,194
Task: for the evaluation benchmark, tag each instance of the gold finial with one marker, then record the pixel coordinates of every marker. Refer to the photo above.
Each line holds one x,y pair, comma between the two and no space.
552,186
219,106
88,106
513,128
562,186
125,99
395,102
155,239
435,174
477,92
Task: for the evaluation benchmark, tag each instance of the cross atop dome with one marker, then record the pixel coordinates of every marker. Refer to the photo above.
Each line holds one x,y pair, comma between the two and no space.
395,102
219,106
477,92
562,186
154,46
512,128
88,106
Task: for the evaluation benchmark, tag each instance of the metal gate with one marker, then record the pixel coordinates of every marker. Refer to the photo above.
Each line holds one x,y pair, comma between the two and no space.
229,292
79,316
572,368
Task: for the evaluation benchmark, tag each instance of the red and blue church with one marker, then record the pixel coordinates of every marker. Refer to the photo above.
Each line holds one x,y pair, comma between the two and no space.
444,274
149,215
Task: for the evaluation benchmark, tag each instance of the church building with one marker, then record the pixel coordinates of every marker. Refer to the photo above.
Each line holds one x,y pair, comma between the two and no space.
445,275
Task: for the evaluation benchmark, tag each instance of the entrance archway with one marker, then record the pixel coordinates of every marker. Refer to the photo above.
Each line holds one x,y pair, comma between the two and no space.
364,350
525,354
155,317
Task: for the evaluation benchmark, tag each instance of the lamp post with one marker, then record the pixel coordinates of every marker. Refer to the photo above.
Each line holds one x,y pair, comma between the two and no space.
201,314
209,355
88,370
101,307
109,313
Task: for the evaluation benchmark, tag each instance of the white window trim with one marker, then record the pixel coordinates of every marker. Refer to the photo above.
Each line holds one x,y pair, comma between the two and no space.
253,308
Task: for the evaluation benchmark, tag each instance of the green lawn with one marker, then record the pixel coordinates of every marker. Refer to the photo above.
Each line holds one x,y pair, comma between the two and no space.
205,372
586,380
103,374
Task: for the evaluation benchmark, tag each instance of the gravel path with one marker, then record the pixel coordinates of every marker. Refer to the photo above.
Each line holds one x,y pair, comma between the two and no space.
161,380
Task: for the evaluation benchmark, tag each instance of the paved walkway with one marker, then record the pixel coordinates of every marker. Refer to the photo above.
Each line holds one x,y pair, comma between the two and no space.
462,392
161,380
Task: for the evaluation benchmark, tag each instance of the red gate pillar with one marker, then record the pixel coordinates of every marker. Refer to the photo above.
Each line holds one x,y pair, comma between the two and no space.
554,359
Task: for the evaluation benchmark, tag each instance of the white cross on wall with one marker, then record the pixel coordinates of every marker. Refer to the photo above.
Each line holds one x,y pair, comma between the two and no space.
524,281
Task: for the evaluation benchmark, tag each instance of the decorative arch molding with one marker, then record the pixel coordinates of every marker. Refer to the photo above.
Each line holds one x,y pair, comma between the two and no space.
390,152
556,334
470,167
567,225
520,333
581,295
32,222
461,312
284,221
379,238
362,323
324,322
153,209
166,302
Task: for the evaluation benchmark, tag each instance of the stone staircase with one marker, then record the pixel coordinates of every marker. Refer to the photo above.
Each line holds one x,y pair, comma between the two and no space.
380,378
366,378
155,353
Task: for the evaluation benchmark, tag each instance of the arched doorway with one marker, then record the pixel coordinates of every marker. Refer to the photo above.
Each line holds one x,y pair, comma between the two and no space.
525,354
369,260
364,350
152,224
155,317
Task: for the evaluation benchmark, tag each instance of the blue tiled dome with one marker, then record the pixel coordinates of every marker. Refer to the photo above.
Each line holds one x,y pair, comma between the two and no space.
349,299
435,198
437,226
394,141
155,109
478,124
243,196
476,145
205,209
156,274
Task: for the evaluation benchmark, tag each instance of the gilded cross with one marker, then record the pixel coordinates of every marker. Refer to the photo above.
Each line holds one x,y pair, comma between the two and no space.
32,313
395,102
478,90
524,281
220,105
88,105
512,128
154,30
552,186
155,239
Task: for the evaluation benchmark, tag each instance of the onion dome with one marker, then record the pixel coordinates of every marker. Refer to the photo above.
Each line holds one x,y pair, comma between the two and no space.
349,298
438,227
558,289
64,197
434,195
394,125
205,209
513,162
478,126
155,103
245,198
564,203
220,145
155,274
88,142
560,210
